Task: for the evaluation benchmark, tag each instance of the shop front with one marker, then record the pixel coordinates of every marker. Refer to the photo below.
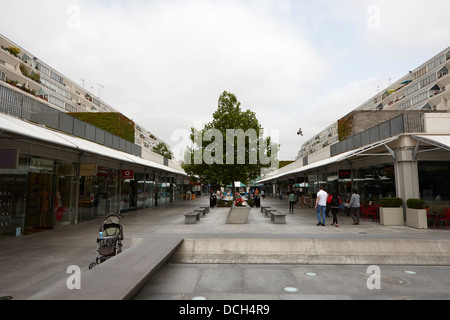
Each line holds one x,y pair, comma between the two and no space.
98,191
434,184
37,194
50,179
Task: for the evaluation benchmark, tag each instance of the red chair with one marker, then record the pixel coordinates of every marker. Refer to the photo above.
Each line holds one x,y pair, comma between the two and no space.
372,211
442,217
430,217
363,212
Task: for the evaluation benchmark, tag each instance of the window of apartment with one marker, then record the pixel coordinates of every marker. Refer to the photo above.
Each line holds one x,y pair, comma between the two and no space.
56,77
48,84
55,88
420,73
419,98
56,101
48,72
427,80
405,105
2,75
43,69
63,92
412,88
70,107
96,102
436,63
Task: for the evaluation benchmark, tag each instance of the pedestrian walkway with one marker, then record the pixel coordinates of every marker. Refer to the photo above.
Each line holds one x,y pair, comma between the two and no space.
34,263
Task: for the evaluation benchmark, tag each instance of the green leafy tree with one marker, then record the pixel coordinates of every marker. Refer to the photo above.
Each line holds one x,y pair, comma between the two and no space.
231,147
163,149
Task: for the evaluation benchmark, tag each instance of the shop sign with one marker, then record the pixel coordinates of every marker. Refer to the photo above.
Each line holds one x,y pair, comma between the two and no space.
88,169
344,174
102,172
127,174
41,164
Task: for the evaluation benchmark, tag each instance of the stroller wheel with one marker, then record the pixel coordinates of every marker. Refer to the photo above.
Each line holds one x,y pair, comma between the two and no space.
93,264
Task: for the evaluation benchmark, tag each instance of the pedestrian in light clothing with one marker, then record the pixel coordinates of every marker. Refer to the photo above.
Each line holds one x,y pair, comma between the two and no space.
354,206
321,206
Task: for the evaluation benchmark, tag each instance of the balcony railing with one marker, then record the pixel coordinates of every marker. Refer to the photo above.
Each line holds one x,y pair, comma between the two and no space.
22,106
413,122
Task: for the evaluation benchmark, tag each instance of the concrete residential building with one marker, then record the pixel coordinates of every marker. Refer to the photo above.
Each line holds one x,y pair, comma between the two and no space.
28,73
395,144
57,170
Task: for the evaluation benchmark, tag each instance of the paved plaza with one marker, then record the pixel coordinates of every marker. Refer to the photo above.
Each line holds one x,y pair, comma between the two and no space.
34,263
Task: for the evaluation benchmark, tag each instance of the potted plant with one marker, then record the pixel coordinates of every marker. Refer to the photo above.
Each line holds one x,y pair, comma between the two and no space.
391,212
416,215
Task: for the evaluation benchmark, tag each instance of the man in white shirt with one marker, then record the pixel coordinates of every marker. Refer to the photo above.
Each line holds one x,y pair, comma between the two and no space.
321,206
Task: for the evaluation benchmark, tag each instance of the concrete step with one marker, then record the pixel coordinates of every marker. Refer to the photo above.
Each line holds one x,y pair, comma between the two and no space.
313,251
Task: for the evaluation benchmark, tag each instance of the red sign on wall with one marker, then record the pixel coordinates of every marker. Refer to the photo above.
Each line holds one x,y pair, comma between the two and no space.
127,174
102,172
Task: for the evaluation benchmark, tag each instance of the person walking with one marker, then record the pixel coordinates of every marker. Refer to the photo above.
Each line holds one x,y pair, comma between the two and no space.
291,201
327,211
354,206
321,206
335,204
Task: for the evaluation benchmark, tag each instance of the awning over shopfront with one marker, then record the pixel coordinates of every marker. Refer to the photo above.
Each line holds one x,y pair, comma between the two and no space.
336,159
10,125
25,129
441,142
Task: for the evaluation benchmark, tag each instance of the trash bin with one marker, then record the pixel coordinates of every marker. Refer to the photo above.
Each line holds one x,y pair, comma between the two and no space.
211,201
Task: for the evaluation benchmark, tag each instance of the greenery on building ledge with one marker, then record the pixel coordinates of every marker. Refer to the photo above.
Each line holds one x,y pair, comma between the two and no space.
114,123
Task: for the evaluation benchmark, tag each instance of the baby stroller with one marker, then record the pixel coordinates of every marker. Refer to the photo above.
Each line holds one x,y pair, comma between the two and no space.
109,242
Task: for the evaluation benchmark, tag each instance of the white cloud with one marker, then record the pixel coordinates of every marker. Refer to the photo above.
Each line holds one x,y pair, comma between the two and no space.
166,63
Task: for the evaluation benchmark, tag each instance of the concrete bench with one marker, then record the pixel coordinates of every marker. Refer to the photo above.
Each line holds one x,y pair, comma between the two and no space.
192,217
278,217
267,211
205,210
263,209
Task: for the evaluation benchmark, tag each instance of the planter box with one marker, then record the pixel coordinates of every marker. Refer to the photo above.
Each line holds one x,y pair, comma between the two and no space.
416,218
391,217
238,215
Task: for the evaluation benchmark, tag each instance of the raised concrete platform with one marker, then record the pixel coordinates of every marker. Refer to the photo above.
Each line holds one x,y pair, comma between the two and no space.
119,278
313,251
238,215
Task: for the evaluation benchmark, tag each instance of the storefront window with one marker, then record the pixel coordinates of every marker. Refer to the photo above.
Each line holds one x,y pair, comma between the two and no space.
372,184
40,195
434,181
98,194
150,193
65,194
140,191
127,196
13,186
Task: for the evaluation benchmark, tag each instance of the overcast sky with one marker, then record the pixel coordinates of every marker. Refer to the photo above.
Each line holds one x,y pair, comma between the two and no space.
295,63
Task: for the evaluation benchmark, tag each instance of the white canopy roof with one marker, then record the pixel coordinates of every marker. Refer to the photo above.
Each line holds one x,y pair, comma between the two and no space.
325,162
29,130
442,141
